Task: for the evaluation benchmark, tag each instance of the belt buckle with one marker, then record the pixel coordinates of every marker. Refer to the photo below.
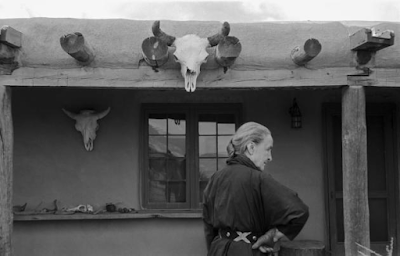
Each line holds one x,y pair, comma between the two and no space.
242,236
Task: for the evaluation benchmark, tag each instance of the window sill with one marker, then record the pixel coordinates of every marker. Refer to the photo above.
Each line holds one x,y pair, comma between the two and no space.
26,216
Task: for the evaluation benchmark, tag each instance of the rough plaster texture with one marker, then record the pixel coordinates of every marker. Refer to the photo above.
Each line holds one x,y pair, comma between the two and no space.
117,42
51,163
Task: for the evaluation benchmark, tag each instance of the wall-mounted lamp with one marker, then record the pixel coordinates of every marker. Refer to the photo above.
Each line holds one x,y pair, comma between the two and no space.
295,113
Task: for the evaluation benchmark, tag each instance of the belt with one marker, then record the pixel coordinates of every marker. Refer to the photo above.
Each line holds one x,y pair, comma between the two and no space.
236,236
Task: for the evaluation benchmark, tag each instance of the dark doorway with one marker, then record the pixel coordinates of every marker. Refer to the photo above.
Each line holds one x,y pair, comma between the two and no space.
381,142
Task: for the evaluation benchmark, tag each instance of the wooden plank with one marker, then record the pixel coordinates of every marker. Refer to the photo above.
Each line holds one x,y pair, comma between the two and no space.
244,78
145,77
355,175
377,77
11,37
302,248
108,216
6,175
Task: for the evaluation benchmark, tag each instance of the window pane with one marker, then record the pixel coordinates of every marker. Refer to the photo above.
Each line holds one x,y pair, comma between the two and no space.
221,163
177,146
226,124
207,168
222,144
376,154
176,169
176,124
157,145
202,186
207,146
157,191
157,169
337,152
157,124
176,192
339,220
181,135
207,124
378,221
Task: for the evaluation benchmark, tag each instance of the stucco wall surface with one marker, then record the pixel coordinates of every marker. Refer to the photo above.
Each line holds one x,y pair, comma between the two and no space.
50,163
117,43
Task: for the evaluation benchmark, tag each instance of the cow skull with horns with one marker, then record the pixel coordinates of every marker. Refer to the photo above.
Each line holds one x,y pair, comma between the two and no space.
191,50
86,123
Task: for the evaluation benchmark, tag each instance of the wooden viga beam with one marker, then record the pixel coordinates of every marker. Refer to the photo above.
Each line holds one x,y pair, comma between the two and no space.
77,47
155,52
10,44
227,50
301,56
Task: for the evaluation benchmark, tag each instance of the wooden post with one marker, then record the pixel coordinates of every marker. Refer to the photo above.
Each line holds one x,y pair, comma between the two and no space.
355,175
6,171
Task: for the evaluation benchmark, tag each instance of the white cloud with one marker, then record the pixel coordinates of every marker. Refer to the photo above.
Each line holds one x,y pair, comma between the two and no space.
241,10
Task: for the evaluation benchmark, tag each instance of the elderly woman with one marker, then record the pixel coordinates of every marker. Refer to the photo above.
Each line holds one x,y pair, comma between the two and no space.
246,211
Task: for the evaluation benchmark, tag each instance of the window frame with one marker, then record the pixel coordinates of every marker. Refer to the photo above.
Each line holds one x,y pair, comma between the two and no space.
192,112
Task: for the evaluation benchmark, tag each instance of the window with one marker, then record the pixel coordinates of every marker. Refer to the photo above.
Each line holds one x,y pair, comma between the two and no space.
183,145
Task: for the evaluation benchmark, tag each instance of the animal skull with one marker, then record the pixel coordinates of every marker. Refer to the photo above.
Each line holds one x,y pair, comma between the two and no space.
190,51
86,123
80,208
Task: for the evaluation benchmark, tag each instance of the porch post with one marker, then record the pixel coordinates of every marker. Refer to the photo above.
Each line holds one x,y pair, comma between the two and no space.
6,171
355,175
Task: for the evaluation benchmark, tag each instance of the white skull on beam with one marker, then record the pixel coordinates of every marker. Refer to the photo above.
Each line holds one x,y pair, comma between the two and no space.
190,51
86,123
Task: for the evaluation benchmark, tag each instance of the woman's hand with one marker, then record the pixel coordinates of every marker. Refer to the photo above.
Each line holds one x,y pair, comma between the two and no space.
266,242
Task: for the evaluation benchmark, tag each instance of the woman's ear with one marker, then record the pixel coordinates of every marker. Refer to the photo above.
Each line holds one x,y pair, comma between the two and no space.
250,148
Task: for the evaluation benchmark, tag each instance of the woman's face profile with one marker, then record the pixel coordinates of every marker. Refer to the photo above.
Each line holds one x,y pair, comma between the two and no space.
260,154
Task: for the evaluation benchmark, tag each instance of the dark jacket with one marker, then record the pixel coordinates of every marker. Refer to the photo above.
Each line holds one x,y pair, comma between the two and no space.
243,198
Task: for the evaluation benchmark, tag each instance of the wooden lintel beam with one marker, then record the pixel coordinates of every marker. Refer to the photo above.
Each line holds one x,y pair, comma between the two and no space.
6,171
355,171
77,47
376,77
145,77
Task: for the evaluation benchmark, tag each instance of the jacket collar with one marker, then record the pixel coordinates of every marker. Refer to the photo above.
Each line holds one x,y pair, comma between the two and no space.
243,160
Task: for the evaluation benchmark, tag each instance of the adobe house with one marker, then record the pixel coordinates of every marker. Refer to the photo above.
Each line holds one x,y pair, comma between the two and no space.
140,185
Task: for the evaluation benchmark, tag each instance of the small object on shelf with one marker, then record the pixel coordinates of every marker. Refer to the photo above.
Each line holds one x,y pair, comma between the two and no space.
81,208
125,210
110,207
46,210
19,208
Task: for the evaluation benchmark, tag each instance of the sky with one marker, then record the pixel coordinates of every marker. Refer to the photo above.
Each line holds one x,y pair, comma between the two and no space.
206,10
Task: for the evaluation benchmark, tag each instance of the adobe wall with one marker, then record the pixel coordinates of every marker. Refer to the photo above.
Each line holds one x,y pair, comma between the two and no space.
117,42
50,163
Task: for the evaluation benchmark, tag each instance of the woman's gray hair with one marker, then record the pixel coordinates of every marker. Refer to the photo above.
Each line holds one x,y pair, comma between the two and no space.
248,132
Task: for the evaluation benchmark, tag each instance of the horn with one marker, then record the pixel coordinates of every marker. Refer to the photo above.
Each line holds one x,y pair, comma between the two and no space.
103,114
214,40
162,36
70,114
